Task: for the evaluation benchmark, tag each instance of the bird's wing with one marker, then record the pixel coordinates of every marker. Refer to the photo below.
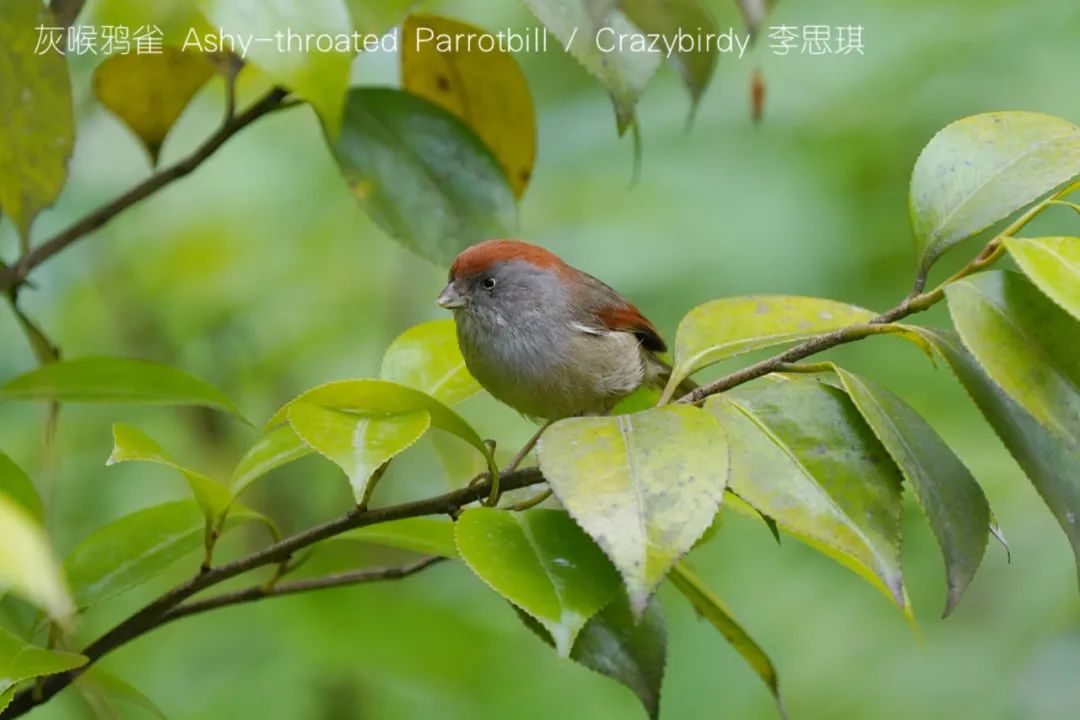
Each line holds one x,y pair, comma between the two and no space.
602,309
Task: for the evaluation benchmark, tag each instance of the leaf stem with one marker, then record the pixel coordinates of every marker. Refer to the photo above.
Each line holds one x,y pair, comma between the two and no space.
157,612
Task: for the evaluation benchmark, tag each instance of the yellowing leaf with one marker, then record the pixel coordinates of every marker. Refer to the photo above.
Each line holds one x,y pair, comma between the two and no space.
802,455
1053,264
358,444
542,562
36,119
487,90
1027,344
148,92
644,486
728,327
427,357
27,565
318,75
981,169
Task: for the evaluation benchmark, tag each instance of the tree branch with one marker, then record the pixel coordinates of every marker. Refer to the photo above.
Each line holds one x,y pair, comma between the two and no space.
16,273
259,592
916,302
158,612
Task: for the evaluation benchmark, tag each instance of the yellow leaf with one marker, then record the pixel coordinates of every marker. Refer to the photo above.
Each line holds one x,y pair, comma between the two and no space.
442,62
148,92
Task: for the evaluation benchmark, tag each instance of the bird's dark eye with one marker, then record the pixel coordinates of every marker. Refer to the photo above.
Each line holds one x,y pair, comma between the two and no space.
488,283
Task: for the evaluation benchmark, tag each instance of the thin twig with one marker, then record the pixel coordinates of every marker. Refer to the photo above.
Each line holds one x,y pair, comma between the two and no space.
153,615
16,273
261,591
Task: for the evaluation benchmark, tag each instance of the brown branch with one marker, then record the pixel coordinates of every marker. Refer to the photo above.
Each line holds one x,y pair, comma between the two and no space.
259,592
158,612
16,273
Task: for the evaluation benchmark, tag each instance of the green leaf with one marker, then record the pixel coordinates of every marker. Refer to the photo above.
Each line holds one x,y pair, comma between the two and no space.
102,684
731,326
319,76
1053,264
645,486
541,561
802,455
27,565
427,535
358,444
953,502
377,16
38,131
615,644
670,17
134,549
378,397
485,89
427,357
1027,344
710,607
148,92
273,449
17,487
115,380
421,174
625,72
133,445
20,661
1051,461
176,19
983,168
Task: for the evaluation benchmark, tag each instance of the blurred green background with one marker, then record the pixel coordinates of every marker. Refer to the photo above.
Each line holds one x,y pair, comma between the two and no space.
261,274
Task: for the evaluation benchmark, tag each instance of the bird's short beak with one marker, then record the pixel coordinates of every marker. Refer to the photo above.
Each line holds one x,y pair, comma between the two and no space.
450,298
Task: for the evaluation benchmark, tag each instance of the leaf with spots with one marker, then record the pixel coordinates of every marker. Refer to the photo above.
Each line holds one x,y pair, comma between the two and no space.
486,89
644,486
541,561
983,168
728,327
148,92
802,455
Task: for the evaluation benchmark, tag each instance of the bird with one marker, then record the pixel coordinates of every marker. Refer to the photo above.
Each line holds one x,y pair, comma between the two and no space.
545,338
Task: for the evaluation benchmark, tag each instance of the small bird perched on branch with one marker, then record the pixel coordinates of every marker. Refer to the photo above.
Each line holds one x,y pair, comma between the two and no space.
545,338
